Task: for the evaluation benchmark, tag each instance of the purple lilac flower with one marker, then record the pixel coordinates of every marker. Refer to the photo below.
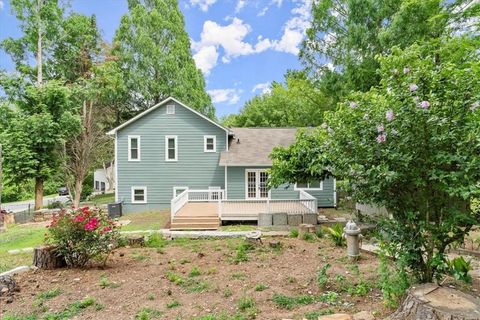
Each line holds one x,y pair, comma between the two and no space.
406,70
380,128
353,105
425,104
475,106
390,115
413,87
381,138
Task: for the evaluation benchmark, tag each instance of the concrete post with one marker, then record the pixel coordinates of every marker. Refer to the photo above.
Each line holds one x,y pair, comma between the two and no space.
352,234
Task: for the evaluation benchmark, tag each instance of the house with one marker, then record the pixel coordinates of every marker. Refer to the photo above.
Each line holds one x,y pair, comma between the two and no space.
104,178
171,156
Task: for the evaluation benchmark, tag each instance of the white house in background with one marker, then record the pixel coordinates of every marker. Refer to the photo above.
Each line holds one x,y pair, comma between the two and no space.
104,178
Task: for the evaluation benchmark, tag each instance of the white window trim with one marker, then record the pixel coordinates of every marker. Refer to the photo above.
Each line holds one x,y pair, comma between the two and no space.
170,108
166,148
130,146
144,193
205,143
246,185
178,188
308,188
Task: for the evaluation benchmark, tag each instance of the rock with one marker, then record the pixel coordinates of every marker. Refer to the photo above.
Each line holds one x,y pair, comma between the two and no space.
9,299
7,285
336,316
364,315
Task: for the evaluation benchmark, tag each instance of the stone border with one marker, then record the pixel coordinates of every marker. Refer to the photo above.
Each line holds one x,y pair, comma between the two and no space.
16,270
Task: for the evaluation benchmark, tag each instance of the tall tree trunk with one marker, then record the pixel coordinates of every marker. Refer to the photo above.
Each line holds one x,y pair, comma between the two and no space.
38,193
78,192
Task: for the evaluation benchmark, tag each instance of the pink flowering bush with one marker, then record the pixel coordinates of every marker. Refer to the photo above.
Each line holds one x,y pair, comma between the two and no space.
82,235
412,144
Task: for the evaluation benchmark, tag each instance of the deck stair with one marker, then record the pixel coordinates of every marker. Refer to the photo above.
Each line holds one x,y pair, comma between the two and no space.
192,217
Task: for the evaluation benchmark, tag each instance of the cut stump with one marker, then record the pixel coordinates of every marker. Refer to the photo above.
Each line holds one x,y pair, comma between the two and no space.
254,237
305,228
432,302
136,241
46,257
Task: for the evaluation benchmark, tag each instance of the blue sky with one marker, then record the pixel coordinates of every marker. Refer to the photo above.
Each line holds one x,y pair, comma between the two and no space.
240,45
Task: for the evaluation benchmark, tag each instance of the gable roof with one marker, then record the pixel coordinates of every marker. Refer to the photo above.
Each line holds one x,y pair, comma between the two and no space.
169,99
252,146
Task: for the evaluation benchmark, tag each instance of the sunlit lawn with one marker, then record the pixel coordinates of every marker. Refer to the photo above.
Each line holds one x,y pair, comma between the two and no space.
101,199
148,220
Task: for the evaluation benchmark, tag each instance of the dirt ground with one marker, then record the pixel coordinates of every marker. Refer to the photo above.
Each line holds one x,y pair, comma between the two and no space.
204,279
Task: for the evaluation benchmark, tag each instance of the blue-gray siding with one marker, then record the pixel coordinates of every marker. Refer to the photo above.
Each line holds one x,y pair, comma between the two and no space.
194,168
236,188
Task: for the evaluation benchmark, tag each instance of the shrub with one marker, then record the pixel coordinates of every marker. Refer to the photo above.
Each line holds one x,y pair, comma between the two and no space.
335,233
459,268
294,233
393,281
82,235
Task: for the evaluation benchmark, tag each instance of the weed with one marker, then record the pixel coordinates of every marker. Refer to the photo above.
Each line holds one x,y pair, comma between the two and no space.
173,304
175,278
308,237
241,252
245,303
197,286
227,292
151,296
354,269
239,275
393,281
335,233
104,282
294,233
291,280
50,294
212,270
329,297
184,261
147,314
286,302
314,315
261,287
322,276
320,233
195,272
360,289
340,278
139,257
71,310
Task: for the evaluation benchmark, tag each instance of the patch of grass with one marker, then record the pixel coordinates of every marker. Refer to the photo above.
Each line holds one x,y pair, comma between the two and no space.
362,288
322,276
17,317
155,240
104,282
71,310
139,256
239,275
286,302
241,254
294,233
173,304
147,314
245,303
314,315
195,272
184,261
261,287
191,285
330,297
212,270
101,199
308,237
49,294
238,227
319,232
151,296
148,220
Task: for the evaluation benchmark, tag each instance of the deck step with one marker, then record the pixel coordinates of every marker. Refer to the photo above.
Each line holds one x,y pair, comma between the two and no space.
194,225
196,220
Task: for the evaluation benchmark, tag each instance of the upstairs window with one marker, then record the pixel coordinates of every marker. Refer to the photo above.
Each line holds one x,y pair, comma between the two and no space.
133,148
210,144
171,148
139,194
171,109
312,185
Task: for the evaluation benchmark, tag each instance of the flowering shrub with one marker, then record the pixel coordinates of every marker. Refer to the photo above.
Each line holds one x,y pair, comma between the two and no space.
412,144
82,235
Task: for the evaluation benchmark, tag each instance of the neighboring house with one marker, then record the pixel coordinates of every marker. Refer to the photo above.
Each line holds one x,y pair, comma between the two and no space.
104,179
172,156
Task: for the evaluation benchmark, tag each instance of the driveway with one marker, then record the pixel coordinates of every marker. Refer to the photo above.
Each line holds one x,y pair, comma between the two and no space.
23,205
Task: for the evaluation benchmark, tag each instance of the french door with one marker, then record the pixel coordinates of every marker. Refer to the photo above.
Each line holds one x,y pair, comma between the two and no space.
256,184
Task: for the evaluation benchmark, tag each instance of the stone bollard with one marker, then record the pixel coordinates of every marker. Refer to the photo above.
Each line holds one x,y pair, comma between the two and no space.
280,219
294,219
352,233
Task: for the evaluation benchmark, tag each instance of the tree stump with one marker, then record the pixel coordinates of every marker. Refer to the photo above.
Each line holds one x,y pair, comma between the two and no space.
254,237
432,302
46,257
305,228
136,241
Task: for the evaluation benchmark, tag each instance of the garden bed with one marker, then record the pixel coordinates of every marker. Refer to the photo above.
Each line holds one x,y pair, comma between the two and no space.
188,279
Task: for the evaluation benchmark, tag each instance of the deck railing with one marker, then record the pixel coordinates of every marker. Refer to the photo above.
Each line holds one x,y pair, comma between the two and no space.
306,203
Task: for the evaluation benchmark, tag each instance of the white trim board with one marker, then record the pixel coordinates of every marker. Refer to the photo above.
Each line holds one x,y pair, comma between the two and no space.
138,116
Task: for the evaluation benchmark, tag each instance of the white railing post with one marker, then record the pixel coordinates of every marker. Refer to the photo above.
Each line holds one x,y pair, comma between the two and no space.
268,205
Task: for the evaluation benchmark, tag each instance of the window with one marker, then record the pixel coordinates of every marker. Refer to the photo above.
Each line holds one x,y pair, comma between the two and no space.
133,148
139,194
256,184
171,109
102,186
171,148
209,143
312,185
97,186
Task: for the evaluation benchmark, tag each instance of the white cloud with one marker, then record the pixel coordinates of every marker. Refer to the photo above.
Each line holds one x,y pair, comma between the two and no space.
206,58
264,88
229,96
230,38
1,5
240,5
278,3
202,4
262,12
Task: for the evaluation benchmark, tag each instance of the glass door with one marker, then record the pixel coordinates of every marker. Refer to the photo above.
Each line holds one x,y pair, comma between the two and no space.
256,184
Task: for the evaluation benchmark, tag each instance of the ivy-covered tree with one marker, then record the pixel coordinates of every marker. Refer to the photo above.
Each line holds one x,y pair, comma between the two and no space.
153,52
411,144
297,103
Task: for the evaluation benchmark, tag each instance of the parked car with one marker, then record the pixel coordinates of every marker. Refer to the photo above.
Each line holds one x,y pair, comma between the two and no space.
63,191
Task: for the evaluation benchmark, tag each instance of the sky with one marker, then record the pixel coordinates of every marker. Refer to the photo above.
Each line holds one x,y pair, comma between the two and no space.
241,46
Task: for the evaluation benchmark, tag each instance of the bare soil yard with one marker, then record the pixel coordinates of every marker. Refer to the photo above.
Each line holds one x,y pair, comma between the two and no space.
206,279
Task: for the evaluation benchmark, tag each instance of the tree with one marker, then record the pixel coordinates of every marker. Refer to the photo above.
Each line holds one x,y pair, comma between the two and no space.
42,103
349,34
294,104
153,51
411,144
